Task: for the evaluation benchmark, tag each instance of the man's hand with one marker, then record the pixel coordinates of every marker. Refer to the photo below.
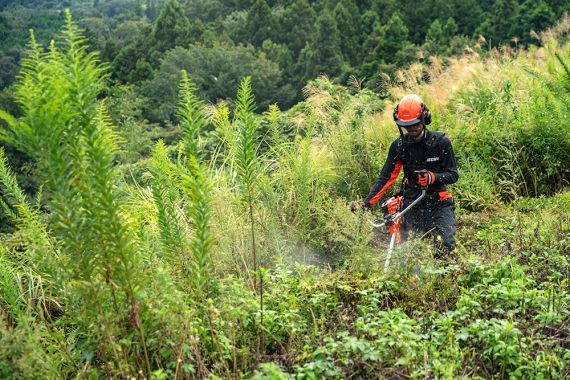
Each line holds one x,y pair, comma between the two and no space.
426,178
357,205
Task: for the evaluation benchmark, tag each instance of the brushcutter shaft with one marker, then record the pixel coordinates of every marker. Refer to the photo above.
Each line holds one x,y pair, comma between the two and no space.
390,249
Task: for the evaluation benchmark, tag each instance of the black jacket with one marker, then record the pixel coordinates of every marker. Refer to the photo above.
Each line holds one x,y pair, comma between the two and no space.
433,153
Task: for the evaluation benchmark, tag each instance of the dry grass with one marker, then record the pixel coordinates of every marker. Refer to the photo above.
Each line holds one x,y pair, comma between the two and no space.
465,74
559,31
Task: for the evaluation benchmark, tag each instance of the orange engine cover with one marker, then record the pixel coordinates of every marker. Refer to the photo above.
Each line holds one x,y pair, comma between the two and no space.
392,207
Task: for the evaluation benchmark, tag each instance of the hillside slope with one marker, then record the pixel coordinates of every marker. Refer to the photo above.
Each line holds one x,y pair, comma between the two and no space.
196,261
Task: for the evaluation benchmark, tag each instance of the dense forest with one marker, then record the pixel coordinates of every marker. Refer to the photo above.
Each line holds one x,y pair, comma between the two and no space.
175,180
285,43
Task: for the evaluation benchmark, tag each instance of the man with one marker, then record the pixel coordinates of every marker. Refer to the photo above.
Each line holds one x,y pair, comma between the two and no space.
428,160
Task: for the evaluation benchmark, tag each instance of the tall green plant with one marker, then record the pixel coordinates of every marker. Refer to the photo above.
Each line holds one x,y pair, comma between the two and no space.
39,252
273,115
168,203
195,183
242,146
192,116
245,155
196,187
66,129
181,193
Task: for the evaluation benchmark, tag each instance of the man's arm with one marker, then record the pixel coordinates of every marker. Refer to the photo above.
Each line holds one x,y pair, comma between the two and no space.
449,174
388,175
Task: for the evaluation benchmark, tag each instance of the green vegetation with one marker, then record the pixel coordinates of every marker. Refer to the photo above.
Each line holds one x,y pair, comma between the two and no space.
281,44
221,245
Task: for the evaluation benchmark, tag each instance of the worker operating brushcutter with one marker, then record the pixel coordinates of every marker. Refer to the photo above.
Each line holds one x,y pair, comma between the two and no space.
429,166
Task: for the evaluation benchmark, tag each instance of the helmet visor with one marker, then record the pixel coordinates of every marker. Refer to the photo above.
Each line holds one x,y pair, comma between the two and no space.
410,123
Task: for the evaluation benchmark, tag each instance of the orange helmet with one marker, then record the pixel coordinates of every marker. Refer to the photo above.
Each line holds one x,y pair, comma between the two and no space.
410,111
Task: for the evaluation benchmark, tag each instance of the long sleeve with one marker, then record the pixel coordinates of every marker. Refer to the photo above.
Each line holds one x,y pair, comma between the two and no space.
449,174
388,175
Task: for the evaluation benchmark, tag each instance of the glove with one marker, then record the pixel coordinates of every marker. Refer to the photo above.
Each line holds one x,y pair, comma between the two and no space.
355,205
426,178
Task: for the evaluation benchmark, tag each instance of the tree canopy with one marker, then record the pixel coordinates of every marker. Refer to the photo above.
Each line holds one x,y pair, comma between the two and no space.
301,38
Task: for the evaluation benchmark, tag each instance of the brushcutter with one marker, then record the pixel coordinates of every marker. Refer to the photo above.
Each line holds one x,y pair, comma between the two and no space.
393,213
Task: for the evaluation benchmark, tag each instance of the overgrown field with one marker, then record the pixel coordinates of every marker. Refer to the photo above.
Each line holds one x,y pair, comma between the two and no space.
229,250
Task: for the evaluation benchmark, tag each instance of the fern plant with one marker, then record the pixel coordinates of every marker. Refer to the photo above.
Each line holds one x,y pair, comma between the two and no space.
273,116
37,263
195,183
246,161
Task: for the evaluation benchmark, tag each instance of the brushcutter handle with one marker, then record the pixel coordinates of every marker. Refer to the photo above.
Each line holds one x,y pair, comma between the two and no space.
422,172
376,225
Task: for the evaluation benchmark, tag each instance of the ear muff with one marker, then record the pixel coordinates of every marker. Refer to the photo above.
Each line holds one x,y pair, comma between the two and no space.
426,115
395,114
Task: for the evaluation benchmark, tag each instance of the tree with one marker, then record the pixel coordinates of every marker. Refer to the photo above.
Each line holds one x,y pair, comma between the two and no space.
216,71
171,29
469,16
151,10
323,55
282,56
8,67
130,31
297,25
391,38
497,24
206,10
439,36
97,30
347,18
260,25
368,22
532,15
384,9
559,7
131,65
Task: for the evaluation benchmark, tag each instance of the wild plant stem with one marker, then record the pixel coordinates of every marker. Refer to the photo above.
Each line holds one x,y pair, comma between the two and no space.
254,252
138,325
253,247
146,358
217,345
262,337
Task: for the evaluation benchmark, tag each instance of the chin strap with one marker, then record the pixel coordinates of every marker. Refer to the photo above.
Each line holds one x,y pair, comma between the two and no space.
402,134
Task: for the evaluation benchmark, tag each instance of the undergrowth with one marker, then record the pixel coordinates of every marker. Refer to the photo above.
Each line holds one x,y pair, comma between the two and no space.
232,253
